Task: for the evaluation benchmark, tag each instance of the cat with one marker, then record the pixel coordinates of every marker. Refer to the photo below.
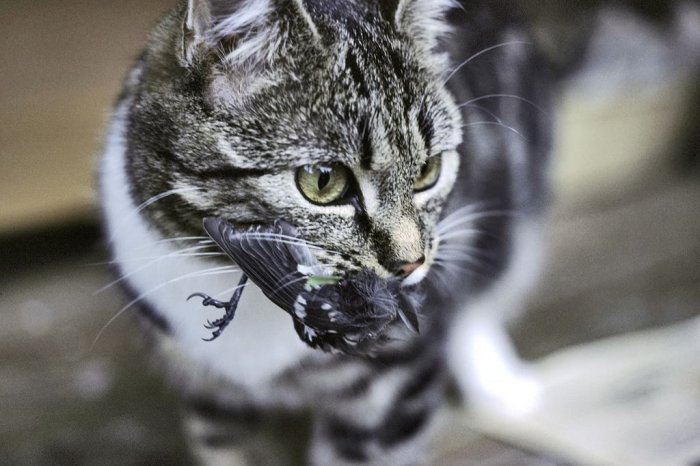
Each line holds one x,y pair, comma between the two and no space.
403,142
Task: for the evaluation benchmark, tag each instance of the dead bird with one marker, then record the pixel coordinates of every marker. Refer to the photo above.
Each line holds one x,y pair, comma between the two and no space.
348,313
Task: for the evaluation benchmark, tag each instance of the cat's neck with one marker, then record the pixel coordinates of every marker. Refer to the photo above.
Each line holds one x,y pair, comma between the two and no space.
260,344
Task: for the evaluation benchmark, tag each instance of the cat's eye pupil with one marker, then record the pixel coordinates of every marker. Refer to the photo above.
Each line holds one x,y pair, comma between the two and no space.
424,170
323,180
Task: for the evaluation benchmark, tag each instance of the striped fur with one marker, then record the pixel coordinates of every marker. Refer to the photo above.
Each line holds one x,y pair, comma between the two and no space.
227,101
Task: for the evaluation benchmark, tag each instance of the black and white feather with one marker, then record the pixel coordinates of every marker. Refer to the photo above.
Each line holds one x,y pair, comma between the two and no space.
349,313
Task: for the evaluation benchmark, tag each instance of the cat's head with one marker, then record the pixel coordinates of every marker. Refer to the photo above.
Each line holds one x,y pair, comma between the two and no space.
332,116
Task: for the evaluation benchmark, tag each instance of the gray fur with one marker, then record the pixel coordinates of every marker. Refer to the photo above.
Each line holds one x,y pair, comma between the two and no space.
367,84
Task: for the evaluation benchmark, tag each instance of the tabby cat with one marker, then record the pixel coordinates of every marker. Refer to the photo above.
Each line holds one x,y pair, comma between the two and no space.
398,143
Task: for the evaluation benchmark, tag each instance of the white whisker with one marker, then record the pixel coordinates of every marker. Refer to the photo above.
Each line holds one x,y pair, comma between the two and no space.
488,49
505,96
207,272
473,266
493,123
455,256
145,258
485,110
453,221
463,234
153,200
183,238
466,209
463,248
230,290
288,284
175,254
290,240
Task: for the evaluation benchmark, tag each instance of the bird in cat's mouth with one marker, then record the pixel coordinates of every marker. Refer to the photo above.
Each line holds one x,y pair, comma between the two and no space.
350,312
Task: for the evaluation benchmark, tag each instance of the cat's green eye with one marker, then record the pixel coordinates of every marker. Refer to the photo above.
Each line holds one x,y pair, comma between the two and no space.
323,184
429,174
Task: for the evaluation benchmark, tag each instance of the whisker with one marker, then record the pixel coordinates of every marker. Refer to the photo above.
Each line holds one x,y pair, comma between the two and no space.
477,54
444,225
195,254
144,258
464,234
137,259
472,267
170,254
475,257
208,272
153,200
485,110
455,256
285,278
463,210
471,213
175,254
436,277
202,254
461,248
183,238
460,266
505,96
291,240
461,236
288,284
493,123
230,290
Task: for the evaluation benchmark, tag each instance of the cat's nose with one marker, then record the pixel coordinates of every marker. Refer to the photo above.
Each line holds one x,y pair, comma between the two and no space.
404,269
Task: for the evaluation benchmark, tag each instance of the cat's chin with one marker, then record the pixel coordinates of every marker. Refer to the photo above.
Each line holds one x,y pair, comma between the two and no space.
416,276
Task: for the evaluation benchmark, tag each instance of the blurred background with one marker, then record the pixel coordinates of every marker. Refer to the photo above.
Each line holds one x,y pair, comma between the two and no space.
612,330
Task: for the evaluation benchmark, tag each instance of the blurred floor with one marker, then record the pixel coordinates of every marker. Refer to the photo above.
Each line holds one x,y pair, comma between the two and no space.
632,262
62,401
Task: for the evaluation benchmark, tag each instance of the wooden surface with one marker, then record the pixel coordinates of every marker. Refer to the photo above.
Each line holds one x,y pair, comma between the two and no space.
62,65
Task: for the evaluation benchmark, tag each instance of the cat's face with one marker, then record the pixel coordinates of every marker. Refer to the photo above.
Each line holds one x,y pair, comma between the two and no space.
344,130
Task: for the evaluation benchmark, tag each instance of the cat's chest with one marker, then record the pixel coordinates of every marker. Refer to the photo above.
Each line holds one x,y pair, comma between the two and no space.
261,341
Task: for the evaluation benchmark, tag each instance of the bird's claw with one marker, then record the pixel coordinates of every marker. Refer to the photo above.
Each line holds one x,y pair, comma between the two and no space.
208,300
219,325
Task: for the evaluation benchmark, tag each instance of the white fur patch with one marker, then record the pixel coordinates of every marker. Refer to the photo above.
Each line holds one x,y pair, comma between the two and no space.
483,360
260,36
424,19
416,276
248,15
259,344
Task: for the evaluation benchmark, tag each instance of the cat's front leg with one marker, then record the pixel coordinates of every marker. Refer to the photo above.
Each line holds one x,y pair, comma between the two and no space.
222,435
383,422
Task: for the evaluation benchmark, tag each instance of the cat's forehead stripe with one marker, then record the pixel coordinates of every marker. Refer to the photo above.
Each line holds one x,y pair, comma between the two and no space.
367,149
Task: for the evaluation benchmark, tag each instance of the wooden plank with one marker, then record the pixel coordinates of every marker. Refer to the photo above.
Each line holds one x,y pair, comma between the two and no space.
62,65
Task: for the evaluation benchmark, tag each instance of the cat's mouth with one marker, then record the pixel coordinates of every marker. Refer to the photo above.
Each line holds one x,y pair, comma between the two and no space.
351,312
416,276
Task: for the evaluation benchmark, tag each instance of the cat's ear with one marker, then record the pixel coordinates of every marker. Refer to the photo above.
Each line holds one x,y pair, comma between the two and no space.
423,20
244,33
197,21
